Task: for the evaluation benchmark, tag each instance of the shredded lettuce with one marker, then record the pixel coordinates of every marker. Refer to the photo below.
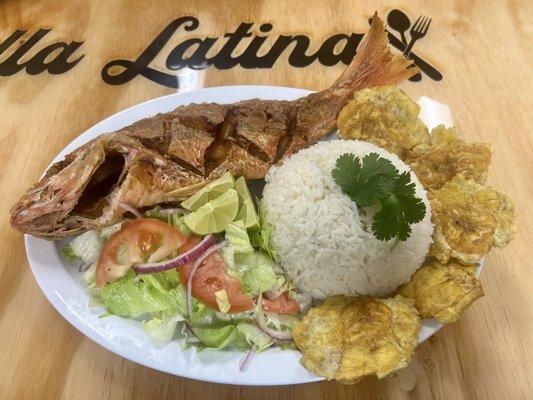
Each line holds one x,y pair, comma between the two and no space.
259,279
218,337
161,328
257,272
254,336
228,255
178,221
281,322
260,238
69,254
155,214
131,297
85,248
237,236
178,299
287,346
94,292
201,314
235,317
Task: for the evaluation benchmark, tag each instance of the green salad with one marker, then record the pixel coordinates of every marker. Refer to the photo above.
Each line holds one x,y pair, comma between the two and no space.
204,272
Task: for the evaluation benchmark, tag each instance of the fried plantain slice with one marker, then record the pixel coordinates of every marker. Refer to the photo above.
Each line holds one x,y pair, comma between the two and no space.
349,338
440,136
503,209
469,219
386,117
319,338
447,156
443,291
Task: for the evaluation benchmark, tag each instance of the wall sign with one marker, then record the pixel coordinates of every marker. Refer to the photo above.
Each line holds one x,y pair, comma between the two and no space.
121,71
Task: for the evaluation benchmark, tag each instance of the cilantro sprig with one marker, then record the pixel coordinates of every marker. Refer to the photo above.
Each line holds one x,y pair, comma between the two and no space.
376,180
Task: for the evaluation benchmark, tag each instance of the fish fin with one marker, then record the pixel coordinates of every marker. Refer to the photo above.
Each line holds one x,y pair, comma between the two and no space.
374,63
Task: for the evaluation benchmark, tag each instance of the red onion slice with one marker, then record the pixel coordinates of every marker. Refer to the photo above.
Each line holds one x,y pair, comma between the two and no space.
129,208
182,259
262,324
195,266
246,360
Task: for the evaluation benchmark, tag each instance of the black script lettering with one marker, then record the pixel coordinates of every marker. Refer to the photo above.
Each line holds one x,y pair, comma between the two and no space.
198,60
58,64
37,64
297,58
326,53
11,66
224,60
10,40
140,66
249,58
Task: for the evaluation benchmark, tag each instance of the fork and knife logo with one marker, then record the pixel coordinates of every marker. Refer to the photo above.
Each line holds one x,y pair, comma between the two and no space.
398,21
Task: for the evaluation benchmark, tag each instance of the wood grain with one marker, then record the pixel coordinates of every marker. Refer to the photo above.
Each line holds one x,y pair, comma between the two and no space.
483,50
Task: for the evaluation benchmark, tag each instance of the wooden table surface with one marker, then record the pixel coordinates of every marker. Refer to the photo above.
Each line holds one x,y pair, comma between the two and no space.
484,51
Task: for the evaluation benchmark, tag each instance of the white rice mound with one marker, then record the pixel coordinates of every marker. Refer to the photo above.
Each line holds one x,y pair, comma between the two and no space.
320,236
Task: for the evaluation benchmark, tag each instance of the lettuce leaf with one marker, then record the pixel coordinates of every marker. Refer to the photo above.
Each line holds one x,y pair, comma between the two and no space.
85,248
218,337
237,236
178,300
178,221
260,238
258,274
281,322
254,336
69,254
155,214
130,296
161,328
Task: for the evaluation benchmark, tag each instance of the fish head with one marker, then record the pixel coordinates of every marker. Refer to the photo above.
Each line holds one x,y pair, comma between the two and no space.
48,209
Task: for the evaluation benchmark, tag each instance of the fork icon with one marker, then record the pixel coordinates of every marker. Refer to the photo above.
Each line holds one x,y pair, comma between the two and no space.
418,31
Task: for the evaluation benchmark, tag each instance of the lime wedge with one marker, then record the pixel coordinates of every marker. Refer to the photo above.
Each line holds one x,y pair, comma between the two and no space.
215,215
209,192
247,213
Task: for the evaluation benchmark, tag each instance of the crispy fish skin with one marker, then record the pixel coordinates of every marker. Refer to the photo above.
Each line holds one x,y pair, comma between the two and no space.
447,156
167,157
386,117
349,338
469,220
443,291
57,205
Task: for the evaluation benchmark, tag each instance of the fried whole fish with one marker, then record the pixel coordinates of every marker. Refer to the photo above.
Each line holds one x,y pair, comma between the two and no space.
167,157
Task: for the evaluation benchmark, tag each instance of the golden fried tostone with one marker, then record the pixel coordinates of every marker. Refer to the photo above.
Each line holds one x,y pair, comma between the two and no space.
386,117
447,156
440,136
469,219
443,291
349,338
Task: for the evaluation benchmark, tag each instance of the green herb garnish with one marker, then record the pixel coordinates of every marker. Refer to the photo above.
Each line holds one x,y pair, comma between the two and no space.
377,180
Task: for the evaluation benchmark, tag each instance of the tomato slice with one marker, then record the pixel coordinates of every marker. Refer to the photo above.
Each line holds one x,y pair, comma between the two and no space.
140,240
281,304
212,276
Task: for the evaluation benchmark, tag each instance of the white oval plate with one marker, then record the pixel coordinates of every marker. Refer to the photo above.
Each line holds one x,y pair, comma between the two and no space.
63,286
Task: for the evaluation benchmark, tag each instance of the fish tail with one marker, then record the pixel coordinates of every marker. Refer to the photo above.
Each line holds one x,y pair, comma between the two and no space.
375,64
